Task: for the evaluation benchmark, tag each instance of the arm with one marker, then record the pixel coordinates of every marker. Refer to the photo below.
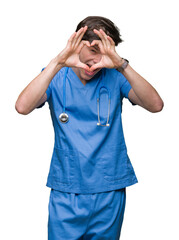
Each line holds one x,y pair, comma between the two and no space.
35,92
142,92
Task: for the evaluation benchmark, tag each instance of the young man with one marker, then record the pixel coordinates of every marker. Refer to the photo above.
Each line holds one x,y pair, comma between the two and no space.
90,169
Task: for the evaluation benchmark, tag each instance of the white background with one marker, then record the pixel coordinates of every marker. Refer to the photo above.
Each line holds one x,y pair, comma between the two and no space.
32,33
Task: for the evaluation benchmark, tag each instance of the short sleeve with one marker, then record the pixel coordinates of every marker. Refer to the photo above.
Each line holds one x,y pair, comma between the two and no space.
48,92
125,88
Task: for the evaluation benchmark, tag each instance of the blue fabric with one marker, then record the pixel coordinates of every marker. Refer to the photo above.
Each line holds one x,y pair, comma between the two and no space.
86,216
88,158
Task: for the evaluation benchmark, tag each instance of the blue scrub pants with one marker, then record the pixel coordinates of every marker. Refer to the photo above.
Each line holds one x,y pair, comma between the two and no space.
96,216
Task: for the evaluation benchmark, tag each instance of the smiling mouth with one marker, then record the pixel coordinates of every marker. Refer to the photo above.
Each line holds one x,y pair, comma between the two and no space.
89,73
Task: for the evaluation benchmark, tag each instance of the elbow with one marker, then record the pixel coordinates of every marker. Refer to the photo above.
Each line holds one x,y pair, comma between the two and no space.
20,109
158,106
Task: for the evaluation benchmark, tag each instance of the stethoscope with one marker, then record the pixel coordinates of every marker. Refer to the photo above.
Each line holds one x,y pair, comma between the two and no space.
64,118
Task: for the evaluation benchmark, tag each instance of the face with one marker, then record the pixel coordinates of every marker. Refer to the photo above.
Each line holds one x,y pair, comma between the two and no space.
89,56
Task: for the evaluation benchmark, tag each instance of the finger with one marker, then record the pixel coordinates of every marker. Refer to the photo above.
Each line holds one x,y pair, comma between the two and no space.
71,38
80,35
99,44
95,42
87,43
96,66
81,45
111,41
108,43
84,66
101,36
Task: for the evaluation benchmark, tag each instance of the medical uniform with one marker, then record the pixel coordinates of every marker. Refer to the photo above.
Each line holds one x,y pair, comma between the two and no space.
90,167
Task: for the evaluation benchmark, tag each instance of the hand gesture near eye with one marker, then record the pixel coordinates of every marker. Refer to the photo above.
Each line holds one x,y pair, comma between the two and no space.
110,59
69,57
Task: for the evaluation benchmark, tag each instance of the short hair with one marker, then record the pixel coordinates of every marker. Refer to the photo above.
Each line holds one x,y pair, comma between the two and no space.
97,22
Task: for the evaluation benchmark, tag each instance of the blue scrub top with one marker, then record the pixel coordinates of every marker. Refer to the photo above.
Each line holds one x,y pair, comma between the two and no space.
88,158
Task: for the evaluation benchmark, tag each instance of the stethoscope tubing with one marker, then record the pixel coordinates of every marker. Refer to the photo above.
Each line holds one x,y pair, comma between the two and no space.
64,90
98,106
64,116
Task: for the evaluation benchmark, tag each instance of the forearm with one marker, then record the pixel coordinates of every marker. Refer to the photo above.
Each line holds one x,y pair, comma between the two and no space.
31,95
144,90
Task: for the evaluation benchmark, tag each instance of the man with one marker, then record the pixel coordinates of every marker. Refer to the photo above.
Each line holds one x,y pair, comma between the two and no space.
90,169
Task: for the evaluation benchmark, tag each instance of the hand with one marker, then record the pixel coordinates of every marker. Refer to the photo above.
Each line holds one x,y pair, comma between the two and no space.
69,57
110,59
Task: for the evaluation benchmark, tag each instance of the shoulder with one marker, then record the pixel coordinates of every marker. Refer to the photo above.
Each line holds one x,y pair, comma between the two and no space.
114,77
60,74
58,78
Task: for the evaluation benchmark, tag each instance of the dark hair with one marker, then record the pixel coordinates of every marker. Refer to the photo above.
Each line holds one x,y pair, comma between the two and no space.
96,22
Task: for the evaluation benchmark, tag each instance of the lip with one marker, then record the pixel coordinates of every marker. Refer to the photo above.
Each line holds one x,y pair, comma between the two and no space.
89,73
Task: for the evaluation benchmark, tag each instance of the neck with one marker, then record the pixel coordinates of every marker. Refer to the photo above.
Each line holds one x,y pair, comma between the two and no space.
77,71
83,81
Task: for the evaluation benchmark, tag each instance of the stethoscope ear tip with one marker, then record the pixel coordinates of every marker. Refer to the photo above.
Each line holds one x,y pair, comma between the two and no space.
106,125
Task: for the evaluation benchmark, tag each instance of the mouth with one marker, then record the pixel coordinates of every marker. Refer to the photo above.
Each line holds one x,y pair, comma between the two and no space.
89,73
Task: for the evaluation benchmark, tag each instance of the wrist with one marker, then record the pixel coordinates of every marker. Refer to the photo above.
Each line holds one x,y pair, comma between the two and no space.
54,66
120,62
56,63
122,65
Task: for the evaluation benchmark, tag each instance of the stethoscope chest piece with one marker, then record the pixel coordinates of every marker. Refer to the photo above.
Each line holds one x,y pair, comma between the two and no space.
63,117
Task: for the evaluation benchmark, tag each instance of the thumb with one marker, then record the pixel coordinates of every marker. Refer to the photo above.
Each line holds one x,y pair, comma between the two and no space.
84,66
95,66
